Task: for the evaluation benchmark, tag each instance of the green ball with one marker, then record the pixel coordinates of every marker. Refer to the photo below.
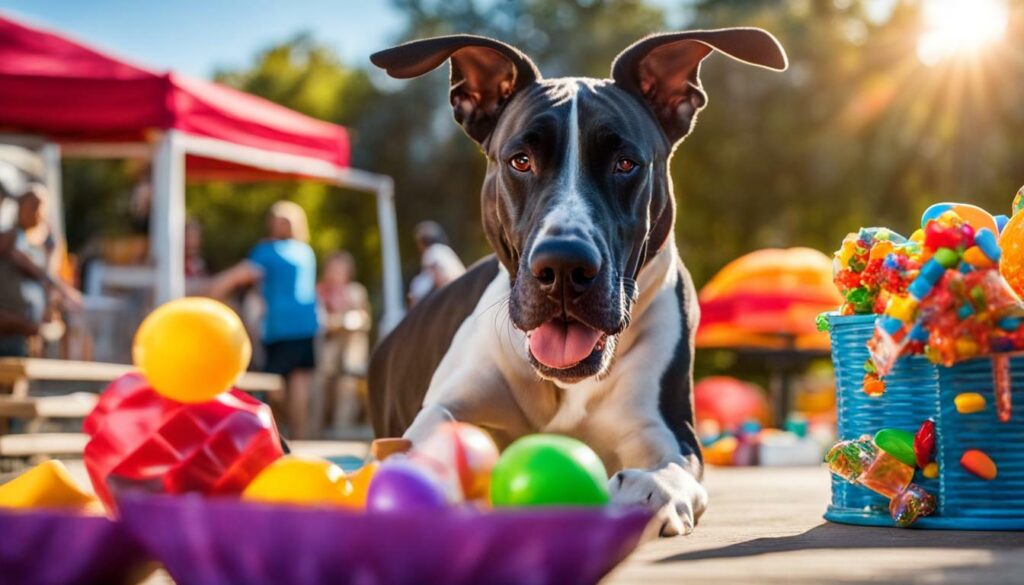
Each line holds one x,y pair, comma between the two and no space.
549,470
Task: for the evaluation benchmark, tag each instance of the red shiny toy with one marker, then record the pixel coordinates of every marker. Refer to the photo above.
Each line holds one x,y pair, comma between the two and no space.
142,440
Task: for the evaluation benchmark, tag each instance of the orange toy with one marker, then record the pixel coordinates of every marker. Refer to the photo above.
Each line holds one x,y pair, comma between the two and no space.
1011,240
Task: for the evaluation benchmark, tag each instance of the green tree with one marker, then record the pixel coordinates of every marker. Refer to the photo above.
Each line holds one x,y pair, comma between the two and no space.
306,76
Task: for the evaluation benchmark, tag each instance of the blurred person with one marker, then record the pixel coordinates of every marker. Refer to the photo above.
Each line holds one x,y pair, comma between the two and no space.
439,264
285,267
27,284
345,346
195,264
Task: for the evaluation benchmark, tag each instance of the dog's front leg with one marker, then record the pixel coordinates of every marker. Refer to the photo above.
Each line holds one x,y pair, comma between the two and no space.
657,474
426,421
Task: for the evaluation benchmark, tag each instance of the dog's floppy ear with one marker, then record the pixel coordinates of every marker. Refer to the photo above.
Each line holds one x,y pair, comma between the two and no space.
485,73
664,69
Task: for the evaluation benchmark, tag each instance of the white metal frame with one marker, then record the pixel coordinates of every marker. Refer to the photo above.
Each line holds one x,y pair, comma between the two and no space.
167,212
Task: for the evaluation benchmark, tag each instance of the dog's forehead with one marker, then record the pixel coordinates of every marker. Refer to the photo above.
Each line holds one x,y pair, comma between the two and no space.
597,103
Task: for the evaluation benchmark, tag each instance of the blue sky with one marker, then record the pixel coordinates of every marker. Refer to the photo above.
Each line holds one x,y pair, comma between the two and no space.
195,36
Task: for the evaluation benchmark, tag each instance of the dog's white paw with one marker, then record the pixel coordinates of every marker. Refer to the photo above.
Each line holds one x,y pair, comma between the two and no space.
672,492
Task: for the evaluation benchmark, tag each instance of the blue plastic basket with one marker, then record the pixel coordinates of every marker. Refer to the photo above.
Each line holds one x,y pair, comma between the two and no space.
908,401
915,391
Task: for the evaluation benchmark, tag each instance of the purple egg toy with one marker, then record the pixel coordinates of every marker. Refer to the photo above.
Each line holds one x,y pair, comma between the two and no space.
400,486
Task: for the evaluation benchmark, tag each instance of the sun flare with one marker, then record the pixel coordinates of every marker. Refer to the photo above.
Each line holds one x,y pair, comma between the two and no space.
953,27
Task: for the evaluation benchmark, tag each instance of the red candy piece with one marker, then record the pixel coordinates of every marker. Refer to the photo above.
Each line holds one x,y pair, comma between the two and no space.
924,443
143,440
938,236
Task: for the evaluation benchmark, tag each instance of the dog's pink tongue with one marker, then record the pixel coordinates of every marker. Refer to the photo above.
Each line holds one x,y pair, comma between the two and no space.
557,344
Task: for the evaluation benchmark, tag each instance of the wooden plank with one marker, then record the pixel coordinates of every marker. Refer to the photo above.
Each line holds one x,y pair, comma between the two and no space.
25,445
17,407
76,405
764,526
261,382
13,369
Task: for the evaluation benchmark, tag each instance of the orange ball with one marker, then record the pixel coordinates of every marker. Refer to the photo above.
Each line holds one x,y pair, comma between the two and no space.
1011,240
192,349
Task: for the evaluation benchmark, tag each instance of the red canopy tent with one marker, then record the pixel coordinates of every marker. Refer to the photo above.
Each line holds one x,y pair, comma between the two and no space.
77,101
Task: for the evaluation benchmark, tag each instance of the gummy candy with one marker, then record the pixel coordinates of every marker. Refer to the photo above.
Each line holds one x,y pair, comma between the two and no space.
861,462
947,300
969,402
978,463
898,443
924,443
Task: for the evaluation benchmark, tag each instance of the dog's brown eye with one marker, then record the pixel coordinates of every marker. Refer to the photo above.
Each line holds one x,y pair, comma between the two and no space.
520,162
624,165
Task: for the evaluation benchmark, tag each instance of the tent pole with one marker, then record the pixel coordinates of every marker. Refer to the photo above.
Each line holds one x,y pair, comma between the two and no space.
55,207
167,217
394,305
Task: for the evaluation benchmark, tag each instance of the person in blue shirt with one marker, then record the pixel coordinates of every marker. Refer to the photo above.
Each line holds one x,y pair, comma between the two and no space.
285,268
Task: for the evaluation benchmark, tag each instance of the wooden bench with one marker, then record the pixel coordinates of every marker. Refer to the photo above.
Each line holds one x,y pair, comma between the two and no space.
16,373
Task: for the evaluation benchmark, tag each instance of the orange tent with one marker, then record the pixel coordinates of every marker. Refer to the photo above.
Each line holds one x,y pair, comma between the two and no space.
768,299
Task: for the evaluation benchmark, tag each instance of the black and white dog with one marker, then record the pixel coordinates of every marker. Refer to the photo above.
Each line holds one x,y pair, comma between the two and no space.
583,321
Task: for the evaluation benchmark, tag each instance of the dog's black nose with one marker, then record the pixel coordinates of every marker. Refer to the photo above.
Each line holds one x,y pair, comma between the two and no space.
565,263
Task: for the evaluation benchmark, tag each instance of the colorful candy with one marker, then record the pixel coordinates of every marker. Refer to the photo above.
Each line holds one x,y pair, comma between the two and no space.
301,481
924,443
142,440
898,443
978,463
873,385
969,402
931,471
549,470
975,216
192,349
954,305
858,268
1002,384
861,462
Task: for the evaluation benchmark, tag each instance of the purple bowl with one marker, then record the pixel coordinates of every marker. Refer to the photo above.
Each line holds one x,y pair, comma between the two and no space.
60,548
218,541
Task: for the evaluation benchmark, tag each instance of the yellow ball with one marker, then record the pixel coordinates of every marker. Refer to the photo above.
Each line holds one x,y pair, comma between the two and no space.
192,349
304,481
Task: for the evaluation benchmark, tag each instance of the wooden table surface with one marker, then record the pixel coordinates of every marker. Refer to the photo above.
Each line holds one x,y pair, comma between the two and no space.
764,526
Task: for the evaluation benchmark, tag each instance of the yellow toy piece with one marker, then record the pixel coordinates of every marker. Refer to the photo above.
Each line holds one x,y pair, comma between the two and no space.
303,481
360,480
47,485
721,452
192,349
